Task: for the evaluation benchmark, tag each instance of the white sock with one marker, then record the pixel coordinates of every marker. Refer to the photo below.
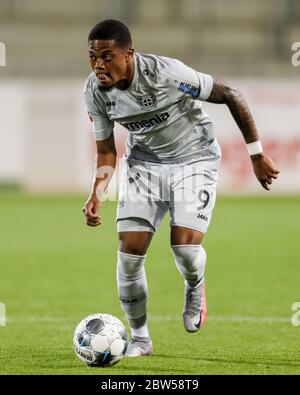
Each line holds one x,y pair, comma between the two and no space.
190,261
142,331
132,286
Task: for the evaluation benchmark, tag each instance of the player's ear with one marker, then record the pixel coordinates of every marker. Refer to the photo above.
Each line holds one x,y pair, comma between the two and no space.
129,54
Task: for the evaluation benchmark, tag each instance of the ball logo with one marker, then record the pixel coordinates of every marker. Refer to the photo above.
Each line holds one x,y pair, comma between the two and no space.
147,102
2,55
85,354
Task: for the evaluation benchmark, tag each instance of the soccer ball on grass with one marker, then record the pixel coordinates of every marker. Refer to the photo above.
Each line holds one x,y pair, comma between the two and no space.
100,340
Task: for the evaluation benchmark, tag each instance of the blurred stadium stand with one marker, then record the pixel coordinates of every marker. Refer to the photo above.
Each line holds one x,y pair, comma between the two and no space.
46,139
229,38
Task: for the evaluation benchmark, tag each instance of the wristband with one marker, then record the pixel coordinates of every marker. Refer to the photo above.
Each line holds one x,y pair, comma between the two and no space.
254,148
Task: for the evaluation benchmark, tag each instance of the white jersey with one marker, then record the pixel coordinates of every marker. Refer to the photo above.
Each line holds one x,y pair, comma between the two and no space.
161,110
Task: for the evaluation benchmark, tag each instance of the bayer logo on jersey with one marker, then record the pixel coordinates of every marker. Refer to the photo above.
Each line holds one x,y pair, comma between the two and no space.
147,102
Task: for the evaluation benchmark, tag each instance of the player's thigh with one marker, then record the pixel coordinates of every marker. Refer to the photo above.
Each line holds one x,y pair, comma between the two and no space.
140,202
193,201
135,243
182,235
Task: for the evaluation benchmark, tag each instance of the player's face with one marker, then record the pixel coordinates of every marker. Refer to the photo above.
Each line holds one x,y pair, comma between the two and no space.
112,65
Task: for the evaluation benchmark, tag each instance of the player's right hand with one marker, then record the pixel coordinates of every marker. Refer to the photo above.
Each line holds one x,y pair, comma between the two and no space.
90,210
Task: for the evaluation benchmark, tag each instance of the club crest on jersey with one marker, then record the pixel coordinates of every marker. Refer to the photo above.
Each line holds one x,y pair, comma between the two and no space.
147,102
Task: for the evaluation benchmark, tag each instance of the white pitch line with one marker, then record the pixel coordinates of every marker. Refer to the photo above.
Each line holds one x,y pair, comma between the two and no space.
250,319
37,319
262,320
229,319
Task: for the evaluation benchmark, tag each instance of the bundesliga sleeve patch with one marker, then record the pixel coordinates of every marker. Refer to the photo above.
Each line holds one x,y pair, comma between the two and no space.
189,89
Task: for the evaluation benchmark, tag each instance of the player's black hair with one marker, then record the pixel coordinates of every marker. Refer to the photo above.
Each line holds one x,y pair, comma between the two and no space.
111,29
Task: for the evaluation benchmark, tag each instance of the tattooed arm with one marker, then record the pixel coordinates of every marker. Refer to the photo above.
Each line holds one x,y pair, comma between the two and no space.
263,166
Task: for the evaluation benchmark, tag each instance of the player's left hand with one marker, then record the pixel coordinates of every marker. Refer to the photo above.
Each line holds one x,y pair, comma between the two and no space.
264,169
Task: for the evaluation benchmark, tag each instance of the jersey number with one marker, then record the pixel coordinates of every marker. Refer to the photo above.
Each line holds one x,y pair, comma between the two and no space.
203,196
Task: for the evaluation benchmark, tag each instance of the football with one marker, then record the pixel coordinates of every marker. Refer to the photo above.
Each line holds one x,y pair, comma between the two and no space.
100,340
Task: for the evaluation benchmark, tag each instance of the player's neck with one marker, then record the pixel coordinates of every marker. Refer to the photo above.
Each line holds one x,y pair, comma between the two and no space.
125,82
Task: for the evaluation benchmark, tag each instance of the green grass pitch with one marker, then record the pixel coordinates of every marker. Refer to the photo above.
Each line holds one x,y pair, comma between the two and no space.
55,271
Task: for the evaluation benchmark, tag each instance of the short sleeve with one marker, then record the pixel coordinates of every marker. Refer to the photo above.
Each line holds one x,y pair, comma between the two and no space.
102,125
189,81
206,83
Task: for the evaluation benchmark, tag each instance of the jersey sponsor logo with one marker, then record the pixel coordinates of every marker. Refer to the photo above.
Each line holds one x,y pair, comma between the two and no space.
110,103
146,123
147,102
189,89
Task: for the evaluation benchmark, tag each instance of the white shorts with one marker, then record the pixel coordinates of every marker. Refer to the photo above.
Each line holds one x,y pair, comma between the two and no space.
148,190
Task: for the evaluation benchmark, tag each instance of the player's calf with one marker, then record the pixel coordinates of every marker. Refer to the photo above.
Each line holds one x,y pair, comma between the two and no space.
191,260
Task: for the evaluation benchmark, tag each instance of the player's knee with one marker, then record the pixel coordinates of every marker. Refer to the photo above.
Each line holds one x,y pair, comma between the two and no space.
134,243
182,236
132,248
185,255
189,257
130,264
